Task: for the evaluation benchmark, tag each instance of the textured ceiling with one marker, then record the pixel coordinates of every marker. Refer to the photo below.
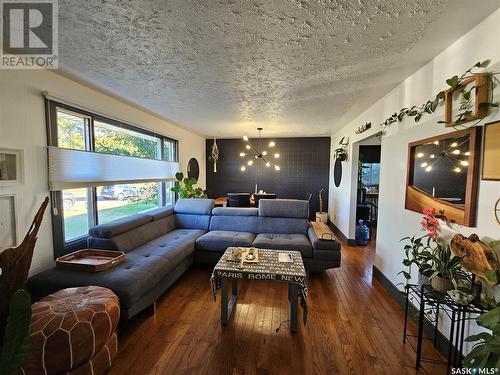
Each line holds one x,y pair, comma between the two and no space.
222,68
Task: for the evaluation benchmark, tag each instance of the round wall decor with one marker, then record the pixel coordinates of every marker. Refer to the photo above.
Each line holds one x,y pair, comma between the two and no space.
193,169
337,172
496,211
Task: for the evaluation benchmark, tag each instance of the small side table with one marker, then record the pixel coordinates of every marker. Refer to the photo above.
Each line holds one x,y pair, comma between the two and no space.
430,300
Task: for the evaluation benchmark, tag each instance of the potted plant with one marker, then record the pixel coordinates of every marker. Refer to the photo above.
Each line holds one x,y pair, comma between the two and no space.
486,351
17,334
418,252
447,272
184,186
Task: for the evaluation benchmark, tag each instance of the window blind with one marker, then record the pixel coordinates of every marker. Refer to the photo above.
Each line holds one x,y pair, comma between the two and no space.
70,169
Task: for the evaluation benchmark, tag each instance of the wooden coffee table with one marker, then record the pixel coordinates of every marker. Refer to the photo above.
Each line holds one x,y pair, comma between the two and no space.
268,268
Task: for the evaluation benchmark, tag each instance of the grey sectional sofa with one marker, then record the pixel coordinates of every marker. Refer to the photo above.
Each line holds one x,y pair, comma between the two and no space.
162,244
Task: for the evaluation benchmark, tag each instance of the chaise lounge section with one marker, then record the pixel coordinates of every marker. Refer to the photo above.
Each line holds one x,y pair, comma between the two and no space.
160,245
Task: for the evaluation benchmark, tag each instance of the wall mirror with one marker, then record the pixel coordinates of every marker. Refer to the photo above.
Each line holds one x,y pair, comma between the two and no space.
337,172
193,169
443,174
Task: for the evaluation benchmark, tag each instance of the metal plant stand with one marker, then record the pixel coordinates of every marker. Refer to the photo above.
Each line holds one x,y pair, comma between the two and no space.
429,304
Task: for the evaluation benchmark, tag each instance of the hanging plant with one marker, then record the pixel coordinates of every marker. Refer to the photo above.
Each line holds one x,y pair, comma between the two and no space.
214,155
455,82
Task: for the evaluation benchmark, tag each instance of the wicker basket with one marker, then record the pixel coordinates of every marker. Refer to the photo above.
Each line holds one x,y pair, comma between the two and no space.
441,284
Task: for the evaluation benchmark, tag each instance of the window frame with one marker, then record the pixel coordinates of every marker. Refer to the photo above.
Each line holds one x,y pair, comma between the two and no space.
62,247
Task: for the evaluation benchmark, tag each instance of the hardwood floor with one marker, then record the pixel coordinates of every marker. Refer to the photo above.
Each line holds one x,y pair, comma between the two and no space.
353,327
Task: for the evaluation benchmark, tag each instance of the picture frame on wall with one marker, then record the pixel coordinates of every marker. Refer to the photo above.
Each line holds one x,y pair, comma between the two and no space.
11,166
443,173
454,103
491,152
8,221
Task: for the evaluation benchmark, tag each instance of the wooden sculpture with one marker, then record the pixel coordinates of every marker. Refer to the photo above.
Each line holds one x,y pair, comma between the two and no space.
15,264
478,257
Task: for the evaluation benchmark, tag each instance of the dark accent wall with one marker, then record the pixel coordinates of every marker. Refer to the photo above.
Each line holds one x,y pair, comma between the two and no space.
304,162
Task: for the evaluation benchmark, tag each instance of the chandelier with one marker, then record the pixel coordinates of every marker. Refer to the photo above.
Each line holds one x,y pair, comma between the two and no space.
258,153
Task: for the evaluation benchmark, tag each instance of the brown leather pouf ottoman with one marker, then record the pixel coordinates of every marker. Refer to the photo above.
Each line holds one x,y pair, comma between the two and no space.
73,331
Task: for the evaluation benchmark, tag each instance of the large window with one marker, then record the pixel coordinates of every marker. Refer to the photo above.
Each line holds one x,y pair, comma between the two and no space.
76,213
85,207
118,141
72,130
117,201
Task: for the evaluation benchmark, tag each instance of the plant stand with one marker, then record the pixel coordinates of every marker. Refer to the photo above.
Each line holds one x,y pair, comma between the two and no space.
429,303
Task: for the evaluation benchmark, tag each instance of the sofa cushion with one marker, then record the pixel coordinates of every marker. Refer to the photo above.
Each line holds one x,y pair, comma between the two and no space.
297,242
220,240
189,221
132,239
282,225
234,223
235,211
194,206
291,208
161,212
193,213
141,271
236,219
119,226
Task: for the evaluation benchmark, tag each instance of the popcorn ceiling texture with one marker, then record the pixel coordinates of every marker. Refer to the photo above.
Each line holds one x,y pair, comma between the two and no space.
296,67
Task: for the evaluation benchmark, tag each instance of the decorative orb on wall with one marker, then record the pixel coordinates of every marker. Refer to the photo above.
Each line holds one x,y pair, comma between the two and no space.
193,169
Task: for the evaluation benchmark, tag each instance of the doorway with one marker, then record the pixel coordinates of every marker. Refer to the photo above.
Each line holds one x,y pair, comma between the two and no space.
367,189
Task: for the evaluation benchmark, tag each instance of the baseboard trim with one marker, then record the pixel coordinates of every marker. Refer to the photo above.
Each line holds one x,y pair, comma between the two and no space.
443,343
342,237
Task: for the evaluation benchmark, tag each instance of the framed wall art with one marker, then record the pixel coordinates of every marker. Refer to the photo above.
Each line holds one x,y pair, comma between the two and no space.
466,102
8,221
443,174
11,166
491,152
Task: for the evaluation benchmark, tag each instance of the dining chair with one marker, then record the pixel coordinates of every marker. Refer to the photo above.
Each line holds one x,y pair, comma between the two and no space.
238,199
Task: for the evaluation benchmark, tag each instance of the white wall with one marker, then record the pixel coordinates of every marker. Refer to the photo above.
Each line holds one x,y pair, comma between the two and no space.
423,84
394,220
22,126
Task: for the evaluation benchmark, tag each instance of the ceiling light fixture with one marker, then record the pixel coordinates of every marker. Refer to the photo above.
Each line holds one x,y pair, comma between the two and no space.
445,153
258,153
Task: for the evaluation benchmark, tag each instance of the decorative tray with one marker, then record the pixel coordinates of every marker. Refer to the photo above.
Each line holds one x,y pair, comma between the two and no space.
244,255
91,260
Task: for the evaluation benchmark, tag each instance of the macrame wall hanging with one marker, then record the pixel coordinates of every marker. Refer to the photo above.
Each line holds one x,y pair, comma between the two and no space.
214,155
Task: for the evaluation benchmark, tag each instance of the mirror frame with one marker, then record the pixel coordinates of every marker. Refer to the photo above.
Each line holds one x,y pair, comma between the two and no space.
189,166
416,200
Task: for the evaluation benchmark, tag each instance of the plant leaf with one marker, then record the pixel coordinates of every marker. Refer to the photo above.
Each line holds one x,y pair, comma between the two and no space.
489,319
17,334
491,275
